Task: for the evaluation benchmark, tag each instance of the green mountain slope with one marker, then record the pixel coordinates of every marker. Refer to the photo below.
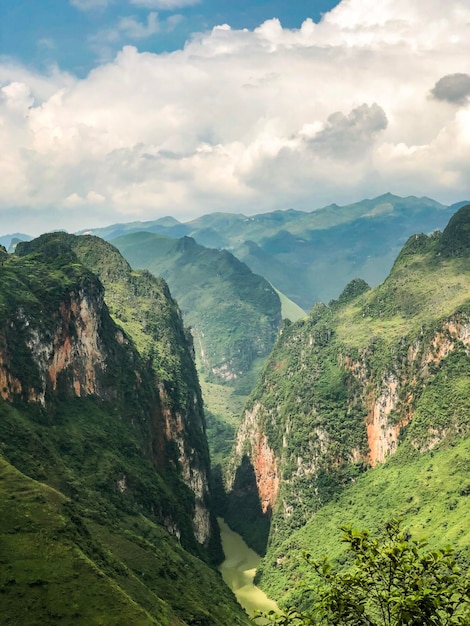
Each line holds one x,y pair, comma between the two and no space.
378,370
59,567
104,514
429,492
234,314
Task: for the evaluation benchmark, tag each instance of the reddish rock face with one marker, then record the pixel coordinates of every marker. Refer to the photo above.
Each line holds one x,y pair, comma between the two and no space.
389,408
77,346
266,472
74,347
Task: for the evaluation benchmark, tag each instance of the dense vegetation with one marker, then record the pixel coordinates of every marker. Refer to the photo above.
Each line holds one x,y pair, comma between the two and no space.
234,314
375,371
394,580
74,549
428,491
97,518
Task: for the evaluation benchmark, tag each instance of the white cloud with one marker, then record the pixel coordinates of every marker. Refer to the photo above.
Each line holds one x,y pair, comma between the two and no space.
91,198
165,5
248,120
90,5
132,28
127,28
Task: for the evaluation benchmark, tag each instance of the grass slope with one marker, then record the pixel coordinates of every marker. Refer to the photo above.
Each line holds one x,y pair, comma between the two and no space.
110,546
290,310
234,313
430,492
59,568
44,576
345,368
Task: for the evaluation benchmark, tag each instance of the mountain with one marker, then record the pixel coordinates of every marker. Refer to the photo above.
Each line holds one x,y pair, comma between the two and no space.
165,226
429,492
380,376
9,241
310,256
234,314
105,508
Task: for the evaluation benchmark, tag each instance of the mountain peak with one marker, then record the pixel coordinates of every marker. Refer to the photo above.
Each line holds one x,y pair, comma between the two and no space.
353,289
455,240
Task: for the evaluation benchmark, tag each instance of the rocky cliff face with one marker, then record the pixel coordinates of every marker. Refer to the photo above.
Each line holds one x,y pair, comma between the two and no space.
61,341
390,401
345,387
71,349
143,306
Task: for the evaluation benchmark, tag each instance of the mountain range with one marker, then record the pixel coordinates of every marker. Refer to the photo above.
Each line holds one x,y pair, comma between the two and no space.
311,256
360,413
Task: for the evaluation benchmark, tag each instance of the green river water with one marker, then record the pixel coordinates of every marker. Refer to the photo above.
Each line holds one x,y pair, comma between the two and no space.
238,571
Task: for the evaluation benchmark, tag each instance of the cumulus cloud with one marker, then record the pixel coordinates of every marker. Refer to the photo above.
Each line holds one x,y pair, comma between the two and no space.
454,88
349,135
132,28
128,28
242,120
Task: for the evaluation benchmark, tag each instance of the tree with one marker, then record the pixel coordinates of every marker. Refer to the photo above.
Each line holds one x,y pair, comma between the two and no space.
394,581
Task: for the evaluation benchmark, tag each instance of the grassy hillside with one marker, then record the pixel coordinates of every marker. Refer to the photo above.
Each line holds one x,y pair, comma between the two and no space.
430,492
96,519
59,566
289,309
234,314
376,370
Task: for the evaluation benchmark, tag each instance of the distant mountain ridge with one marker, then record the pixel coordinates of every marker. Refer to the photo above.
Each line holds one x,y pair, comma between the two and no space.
311,256
8,240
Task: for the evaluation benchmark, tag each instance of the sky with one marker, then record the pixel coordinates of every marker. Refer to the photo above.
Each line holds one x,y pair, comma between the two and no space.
122,110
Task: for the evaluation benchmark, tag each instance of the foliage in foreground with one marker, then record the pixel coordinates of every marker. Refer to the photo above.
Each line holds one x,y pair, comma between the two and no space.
393,581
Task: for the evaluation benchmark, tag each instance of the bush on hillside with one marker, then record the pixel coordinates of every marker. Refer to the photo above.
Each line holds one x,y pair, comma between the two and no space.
394,581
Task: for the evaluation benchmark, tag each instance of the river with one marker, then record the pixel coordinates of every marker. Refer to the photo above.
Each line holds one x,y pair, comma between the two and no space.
238,571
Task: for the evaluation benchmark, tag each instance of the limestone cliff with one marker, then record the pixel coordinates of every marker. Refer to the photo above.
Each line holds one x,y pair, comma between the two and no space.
143,306
58,339
343,388
38,354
